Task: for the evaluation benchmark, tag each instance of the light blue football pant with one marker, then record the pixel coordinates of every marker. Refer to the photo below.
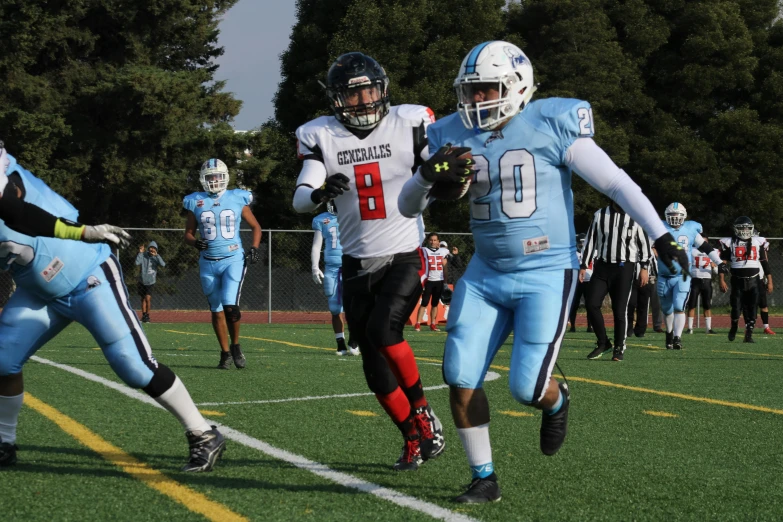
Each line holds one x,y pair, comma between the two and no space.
100,304
487,305
333,288
221,280
673,293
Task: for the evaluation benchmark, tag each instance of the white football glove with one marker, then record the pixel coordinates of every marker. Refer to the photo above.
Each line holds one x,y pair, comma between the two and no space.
106,234
318,276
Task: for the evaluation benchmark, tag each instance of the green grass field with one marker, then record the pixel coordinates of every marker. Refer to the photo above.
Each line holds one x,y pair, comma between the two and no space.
689,435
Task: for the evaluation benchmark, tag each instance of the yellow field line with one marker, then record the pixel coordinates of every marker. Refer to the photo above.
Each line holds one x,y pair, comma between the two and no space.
192,500
261,339
683,396
747,353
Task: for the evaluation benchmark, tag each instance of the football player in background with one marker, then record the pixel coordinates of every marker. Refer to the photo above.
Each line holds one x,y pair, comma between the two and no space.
217,214
524,271
581,286
762,304
746,256
702,270
673,289
437,268
59,282
326,226
361,157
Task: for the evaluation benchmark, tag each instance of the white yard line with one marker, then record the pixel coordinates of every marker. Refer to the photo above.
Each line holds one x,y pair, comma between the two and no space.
323,471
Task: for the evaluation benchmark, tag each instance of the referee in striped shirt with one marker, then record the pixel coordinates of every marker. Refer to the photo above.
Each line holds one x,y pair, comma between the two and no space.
616,243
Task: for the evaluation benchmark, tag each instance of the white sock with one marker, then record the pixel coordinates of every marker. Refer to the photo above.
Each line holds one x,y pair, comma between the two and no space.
340,335
9,415
679,324
708,323
669,320
476,443
766,326
177,400
690,323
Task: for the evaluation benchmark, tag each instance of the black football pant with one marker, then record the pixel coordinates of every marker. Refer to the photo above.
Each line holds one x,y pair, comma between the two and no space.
616,280
745,297
581,290
377,305
639,303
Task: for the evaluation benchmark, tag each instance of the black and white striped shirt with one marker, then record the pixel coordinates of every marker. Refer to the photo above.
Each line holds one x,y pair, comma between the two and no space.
614,237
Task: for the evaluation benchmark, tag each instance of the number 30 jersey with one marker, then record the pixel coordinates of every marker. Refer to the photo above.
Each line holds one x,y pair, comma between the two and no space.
218,220
326,224
521,204
377,167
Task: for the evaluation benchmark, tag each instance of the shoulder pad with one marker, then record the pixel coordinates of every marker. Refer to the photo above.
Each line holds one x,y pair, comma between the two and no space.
189,201
697,226
415,114
567,118
307,137
317,220
725,241
245,196
448,129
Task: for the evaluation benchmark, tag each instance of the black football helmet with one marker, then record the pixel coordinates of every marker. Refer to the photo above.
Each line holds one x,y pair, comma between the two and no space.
743,227
358,88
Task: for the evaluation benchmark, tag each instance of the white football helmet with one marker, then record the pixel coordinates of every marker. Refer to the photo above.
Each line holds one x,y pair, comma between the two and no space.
500,63
214,176
676,214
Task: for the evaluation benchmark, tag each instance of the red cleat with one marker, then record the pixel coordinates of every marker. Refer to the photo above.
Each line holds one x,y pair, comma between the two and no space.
769,331
434,328
417,327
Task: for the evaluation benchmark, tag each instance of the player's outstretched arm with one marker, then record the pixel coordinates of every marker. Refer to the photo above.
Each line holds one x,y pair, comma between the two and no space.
703,246
593,165
255,227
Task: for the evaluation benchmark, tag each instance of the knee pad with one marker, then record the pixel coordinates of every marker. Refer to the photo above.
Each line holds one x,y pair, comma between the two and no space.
233,315
162,380
523,391
379,376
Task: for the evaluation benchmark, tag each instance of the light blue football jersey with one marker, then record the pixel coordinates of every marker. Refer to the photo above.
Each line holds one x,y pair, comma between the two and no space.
219,219
686,237
522,209
47,267
326,223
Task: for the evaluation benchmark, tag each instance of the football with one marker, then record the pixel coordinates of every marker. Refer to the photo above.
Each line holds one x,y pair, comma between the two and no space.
452,191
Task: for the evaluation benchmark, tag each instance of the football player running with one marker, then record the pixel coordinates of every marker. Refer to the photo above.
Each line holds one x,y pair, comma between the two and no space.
523,274
217,214
326,226
59,282
672,288
361,157
747,256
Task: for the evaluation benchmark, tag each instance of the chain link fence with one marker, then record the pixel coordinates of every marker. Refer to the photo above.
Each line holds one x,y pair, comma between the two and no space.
281,281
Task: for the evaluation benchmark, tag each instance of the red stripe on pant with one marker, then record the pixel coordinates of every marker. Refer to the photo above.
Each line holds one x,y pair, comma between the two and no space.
403,364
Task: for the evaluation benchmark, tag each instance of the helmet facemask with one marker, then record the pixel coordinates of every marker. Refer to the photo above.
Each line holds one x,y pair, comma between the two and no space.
214,176
490,114
350,105
743,230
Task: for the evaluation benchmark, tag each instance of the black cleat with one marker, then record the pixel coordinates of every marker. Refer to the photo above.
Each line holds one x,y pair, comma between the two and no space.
589,329
600,349
145,318
7,454
410,459
670,340
617,355
554,427
238,356
481,490
676,343
570,330
225,361
733,330
431,431
748,336
711,332
206,448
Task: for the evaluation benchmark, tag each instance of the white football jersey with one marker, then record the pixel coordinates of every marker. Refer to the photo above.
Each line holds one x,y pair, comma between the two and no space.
741,256
702,265
377,166
435,262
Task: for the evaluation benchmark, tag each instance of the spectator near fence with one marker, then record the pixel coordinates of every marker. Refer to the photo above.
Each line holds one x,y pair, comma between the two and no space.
149,261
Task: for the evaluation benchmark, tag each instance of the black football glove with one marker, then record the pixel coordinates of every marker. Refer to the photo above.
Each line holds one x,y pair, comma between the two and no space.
201,244
252,255
669,251
335,185
446,166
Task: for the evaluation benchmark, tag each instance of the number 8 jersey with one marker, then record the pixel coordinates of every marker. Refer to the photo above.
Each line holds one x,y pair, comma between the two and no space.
377,166
218,219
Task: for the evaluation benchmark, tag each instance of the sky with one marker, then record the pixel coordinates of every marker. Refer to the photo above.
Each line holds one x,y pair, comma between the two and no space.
253,34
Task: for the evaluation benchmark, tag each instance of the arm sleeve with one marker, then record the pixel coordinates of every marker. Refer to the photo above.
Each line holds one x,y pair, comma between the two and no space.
413,198
161,262
33,221
315,251
311,177
593,165
139,257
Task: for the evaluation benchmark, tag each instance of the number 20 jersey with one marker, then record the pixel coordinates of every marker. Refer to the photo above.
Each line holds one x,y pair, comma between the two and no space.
521,204
218,220
377,167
